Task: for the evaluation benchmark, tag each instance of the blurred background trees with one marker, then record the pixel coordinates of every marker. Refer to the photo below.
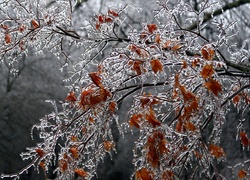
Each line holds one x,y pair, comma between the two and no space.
39,78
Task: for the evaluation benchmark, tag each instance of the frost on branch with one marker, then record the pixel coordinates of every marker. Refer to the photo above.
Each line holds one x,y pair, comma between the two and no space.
178,80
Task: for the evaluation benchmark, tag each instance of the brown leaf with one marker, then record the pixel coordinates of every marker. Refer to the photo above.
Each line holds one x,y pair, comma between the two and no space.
34,23
216,151
207,71
74,152
157,38
113,13
144,174
156,65
7,38
152,27
245,141
112,106
207,52
152,119
40,152
81,172
135,121
108,145
214,86
242,174
96,79
71,97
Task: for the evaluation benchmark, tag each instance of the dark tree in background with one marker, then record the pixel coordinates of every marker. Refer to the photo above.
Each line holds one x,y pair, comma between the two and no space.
154,89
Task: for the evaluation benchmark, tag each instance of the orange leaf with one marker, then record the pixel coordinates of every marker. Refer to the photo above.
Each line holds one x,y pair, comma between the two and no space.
63,164
96,79
135,121
148,100
152,27
40,152
214,86
152,119
42,164
7,38
113,13
112,106
207,71
34,23
91,120
71,97
108,145
156,65
81,172
101,18
73,138
97,26
108,19
153,156
207,52
184,65
242,174
190,126
74,152
95,99
236,99
136,66
104,94
157,38
216,151
143,174
244,139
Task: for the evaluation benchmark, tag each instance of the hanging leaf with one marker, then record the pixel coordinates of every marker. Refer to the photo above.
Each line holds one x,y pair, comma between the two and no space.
135,120
112,106
81,172
152,28
34,23
152,119
113,13
216,151
96,79
71,97
63,164
245,141
214,86
156,65
74,152
40,152
144,174
242,174
108,145
207,71
7,38
207,52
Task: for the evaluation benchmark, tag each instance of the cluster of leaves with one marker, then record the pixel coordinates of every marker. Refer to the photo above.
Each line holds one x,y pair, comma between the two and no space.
187,75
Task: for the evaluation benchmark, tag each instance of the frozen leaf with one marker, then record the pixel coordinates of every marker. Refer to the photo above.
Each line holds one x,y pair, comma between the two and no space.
71,97
107,145
156,65
137,67
242,174
216,151
112,106
42,164
34,23
207,71
152,27
74,152
113,13
96,79
148,100
236,99
108,19
144,174
81,172
101,18
207,52
245,141
21,28
150,117
135,120
40,152
63,164
7,38
190,126
214,86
